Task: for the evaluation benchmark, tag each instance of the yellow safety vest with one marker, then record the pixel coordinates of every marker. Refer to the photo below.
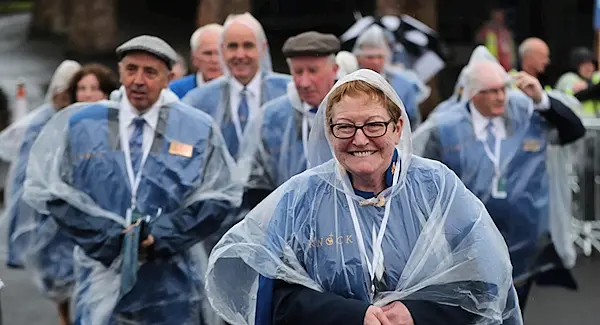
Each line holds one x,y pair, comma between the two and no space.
491,42
591,107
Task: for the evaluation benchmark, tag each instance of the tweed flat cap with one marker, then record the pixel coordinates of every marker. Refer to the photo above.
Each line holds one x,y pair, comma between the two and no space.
149,44
311,44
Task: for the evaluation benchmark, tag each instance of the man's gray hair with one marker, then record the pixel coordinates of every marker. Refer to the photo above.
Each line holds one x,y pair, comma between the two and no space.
197,35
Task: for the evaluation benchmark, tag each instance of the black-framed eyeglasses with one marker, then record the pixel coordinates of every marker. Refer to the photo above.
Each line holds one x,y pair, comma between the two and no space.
370,130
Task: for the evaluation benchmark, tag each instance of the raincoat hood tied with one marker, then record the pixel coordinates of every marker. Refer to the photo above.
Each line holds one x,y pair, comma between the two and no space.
431,240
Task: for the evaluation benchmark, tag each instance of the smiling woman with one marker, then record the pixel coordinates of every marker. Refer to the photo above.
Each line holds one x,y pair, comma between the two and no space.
370,235
357,106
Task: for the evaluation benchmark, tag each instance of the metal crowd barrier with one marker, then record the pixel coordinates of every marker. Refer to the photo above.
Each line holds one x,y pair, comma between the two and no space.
586,188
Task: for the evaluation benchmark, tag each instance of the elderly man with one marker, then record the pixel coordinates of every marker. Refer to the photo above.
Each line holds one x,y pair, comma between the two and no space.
497,143
234,99
136,183
534,57
204,45
288,119
373,52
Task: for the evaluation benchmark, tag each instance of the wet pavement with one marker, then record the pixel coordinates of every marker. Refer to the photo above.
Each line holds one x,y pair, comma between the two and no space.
34,62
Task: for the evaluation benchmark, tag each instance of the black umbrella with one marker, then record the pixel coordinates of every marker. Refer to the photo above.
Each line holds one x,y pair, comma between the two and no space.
417,39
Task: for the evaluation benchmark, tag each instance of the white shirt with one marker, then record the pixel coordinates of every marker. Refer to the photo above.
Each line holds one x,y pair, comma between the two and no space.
126,127
199,79
307,112
480,122
253,95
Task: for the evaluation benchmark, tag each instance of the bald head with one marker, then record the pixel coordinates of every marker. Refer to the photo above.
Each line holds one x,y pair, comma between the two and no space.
534,55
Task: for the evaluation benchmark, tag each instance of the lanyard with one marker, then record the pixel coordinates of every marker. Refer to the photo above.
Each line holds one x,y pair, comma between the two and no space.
134,180
494,157
376,266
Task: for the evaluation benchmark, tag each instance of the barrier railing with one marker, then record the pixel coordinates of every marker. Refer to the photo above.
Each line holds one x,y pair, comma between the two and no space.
586,188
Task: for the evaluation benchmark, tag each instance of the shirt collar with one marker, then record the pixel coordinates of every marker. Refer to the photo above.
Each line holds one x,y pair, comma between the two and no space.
480,122
128,112
199,79
253,87
389,178
308,108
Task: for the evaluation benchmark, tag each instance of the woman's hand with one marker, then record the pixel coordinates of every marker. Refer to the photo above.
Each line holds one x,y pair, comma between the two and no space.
398,314
376,316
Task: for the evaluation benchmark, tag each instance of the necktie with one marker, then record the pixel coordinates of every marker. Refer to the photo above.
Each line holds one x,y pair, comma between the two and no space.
135,144
243,109
313,110
491,138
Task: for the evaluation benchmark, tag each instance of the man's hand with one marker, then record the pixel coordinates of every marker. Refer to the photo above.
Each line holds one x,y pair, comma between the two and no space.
148,241
530,86
376,316
398,314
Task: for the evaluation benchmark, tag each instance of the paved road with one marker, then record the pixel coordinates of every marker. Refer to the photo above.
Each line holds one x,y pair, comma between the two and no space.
34,61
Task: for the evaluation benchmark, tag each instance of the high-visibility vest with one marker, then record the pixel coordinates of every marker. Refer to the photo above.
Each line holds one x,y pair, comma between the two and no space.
491,42
591,107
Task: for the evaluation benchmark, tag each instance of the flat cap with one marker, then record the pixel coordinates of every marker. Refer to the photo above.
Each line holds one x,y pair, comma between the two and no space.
311,44
149,44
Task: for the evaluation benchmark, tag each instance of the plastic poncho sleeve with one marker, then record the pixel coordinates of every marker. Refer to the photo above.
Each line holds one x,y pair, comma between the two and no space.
182,229
100,239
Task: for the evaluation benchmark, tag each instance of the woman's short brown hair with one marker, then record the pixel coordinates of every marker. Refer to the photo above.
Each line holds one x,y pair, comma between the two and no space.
107,79
356,88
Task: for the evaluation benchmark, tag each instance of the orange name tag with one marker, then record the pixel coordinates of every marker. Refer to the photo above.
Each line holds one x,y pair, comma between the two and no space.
181,149
531,145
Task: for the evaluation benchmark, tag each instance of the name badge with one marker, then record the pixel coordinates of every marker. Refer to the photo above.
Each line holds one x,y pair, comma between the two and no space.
181,149
531,145
499,187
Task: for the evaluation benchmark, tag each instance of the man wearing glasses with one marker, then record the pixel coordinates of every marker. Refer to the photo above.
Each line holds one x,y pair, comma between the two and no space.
497,144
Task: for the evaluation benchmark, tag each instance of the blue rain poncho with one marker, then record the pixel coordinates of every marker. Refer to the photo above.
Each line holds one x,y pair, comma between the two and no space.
34,238
49,260
521,180
283,149
16,143
433,238
214,97
78,172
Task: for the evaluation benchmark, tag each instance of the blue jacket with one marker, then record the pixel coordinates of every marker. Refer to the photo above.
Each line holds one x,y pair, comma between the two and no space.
182,86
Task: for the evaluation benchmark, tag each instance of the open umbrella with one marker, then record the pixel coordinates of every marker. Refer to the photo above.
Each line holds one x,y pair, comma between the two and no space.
414,44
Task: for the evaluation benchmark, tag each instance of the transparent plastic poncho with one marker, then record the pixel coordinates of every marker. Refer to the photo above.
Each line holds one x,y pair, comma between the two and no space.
49,178
436,234
32,238
531,135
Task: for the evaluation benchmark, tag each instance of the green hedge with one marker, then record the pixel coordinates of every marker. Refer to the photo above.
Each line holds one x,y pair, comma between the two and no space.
15,6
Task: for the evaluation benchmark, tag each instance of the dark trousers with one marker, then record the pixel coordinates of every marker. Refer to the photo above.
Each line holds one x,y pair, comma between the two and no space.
523,290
